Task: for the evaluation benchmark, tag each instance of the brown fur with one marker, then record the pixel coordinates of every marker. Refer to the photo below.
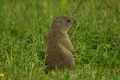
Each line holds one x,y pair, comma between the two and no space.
59,47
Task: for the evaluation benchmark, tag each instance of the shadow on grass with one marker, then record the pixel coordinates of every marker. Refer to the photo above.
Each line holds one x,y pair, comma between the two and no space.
41,55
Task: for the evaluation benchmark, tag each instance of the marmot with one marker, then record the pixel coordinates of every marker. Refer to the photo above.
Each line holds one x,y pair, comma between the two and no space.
59,48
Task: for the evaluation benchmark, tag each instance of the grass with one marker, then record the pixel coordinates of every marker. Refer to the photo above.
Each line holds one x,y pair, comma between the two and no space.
96,38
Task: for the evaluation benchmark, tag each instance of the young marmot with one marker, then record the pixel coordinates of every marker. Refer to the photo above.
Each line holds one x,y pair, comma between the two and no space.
59,48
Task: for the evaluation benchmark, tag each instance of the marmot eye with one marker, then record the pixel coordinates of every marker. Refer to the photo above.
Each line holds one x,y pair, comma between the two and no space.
68,20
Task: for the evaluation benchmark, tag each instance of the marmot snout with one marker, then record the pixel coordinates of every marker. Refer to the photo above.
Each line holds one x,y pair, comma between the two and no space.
59,47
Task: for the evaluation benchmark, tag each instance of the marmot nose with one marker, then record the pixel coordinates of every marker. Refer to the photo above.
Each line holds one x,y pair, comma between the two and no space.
74,21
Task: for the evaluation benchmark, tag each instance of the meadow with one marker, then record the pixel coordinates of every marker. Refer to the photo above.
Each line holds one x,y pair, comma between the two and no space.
95,36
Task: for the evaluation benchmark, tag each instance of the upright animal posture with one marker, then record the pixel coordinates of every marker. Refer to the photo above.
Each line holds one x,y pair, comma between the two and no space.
59,47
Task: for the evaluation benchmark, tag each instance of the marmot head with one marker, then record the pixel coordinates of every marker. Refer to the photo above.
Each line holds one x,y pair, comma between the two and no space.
63,24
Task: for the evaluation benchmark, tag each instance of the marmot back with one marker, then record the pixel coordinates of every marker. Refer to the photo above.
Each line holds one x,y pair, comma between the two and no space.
59,47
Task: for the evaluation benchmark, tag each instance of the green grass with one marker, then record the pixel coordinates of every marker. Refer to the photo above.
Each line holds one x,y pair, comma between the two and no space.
96,38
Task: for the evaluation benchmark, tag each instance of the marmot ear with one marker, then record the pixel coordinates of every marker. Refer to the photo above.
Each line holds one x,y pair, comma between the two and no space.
59,22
